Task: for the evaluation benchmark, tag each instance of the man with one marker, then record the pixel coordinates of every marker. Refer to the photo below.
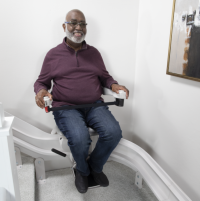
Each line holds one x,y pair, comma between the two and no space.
78,73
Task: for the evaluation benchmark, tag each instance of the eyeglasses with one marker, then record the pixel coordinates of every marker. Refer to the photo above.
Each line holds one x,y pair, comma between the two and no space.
75,24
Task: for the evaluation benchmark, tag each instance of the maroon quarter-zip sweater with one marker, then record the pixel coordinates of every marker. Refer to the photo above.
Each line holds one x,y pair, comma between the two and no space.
78,77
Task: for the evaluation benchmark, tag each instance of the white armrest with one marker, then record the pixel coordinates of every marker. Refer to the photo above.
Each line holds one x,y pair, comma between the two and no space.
47,101
121,95
106,91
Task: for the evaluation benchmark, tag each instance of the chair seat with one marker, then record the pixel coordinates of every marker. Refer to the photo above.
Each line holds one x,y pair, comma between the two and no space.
92,132
56,130
64,142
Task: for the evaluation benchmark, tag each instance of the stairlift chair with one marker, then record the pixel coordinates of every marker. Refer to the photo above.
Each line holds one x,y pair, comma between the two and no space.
119,101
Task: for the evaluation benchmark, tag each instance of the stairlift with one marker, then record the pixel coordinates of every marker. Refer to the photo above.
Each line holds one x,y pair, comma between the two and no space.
63,141
49,149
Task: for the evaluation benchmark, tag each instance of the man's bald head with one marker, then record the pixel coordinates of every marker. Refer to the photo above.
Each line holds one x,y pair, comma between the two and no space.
72,13
76,27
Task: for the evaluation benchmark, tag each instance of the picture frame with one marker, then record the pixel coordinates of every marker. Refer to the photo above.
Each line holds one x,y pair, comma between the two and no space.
184,42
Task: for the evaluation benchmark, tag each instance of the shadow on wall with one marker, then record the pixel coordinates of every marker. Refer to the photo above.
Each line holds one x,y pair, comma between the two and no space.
123,114
151,123
32,108
29,105
169,128
185,81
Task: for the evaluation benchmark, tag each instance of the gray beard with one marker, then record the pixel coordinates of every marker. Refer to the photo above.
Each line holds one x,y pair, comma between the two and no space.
72,38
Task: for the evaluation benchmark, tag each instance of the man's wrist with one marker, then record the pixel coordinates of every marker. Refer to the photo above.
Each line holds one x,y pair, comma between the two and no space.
39,90
112,85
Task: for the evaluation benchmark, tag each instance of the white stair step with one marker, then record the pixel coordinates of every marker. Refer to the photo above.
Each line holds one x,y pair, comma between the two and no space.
26,177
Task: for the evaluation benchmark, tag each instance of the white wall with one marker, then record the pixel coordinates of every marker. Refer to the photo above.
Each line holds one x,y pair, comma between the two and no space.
163,116
166,109
30,28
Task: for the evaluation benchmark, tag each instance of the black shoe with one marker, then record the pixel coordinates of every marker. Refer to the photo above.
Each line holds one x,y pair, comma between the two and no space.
100,178
81,182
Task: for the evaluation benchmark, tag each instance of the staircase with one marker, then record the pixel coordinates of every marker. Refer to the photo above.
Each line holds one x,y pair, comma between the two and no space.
60,185
26,177
125,184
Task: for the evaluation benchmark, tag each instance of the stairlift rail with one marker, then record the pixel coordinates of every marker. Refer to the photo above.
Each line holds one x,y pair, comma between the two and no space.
126,153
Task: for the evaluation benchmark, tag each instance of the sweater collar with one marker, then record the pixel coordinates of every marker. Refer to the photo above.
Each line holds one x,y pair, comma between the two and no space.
84,44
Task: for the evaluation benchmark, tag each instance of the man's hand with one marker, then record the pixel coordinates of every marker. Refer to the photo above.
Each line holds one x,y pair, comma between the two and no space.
39,98
116,88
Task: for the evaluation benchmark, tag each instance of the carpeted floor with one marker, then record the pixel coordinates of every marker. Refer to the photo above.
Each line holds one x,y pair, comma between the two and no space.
60,187
26,177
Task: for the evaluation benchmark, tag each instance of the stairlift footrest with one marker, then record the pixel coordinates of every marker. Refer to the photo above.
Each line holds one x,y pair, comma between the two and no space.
91,182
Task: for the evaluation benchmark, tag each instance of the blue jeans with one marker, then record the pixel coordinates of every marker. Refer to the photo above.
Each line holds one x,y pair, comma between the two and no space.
74,125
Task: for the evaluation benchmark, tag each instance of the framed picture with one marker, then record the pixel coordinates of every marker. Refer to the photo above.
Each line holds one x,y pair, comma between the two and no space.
184,43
